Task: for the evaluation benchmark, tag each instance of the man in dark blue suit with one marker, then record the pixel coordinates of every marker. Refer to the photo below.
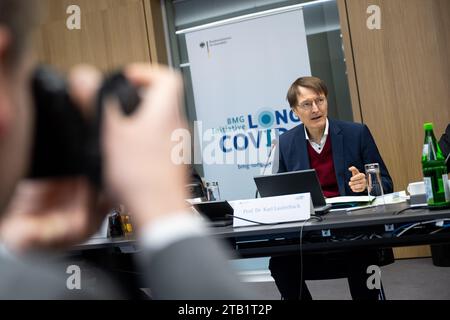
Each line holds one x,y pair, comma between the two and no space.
444,143
338,151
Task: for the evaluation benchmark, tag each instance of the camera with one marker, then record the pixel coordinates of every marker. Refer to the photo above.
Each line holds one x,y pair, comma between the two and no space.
65,142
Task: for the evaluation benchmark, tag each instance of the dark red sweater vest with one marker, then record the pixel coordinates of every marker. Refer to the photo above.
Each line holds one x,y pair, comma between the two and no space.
324,165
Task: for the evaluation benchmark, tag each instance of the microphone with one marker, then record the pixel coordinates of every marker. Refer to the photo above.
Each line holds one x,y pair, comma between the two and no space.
447,163
272,147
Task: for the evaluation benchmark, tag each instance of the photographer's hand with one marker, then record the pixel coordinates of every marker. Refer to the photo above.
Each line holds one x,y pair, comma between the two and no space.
50,214
139,169
56,213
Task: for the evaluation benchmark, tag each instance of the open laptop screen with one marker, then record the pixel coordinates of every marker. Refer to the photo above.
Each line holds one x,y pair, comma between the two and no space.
291,183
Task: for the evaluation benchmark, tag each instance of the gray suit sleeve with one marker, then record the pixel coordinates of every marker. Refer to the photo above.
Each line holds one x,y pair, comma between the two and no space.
192,269
45,278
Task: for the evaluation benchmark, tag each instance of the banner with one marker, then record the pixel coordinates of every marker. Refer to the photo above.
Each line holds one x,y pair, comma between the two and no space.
241,72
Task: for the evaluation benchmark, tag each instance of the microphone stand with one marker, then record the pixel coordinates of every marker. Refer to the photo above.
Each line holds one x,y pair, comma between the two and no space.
265,165
446,161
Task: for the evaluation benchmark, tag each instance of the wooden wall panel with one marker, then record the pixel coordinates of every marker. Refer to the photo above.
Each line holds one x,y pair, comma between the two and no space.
402,74
155,27
412,252
113,33
351,73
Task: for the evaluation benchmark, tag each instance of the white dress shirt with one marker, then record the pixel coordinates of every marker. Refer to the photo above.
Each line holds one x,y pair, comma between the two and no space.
159,234
318,147
170,229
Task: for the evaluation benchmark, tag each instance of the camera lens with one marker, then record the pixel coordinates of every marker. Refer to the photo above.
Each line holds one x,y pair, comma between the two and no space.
65,143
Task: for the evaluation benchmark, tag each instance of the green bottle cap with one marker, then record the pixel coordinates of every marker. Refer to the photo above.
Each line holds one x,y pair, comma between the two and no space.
428,126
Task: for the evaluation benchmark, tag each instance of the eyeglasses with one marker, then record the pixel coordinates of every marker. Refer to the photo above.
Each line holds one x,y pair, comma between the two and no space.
308,104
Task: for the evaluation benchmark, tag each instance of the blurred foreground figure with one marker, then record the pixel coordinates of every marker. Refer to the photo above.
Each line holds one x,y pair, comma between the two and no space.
178,260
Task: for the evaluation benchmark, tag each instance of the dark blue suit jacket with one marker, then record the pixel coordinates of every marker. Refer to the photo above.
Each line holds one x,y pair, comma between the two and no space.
352,144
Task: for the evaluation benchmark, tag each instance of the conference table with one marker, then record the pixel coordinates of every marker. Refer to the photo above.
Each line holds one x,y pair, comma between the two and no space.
386,226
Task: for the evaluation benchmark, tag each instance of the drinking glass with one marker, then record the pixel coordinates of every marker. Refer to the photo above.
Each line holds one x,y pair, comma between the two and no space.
212,191
374,185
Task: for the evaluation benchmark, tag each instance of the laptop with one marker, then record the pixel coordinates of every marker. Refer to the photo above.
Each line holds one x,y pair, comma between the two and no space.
219,213
291,183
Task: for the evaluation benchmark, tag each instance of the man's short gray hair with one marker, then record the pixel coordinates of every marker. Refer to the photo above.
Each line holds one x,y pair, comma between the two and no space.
18,17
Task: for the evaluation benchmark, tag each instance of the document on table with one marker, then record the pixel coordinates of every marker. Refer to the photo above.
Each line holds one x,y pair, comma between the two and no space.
350,199
390,198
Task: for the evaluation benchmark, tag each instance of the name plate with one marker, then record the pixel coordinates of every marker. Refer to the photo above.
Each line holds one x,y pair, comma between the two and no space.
289,208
